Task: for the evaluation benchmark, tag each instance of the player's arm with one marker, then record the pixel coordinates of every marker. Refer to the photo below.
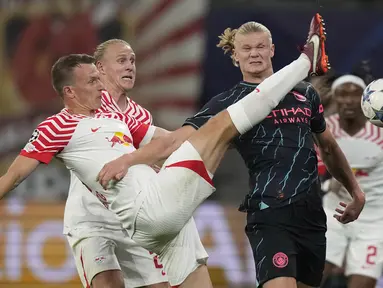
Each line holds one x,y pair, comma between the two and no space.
41,148
335,161
156,145
19,170
162,144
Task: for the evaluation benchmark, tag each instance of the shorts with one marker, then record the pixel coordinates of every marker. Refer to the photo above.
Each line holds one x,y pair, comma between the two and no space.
358,245
289,241
117,251
182,255
164,222
167,200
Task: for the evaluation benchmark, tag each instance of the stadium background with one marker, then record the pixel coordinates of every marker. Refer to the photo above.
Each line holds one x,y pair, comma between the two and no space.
178,69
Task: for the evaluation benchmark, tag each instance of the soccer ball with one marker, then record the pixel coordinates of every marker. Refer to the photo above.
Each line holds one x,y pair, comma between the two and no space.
372,102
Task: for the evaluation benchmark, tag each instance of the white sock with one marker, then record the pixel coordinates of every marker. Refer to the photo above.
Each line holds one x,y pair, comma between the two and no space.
255,106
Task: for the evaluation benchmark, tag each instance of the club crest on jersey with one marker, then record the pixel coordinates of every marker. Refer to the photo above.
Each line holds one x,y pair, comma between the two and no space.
34,136
100,259
119,138
299,96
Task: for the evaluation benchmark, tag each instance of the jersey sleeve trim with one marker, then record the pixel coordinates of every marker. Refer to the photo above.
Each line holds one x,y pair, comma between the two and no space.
50,137
148,136
186,123
45,158
319,131
139,134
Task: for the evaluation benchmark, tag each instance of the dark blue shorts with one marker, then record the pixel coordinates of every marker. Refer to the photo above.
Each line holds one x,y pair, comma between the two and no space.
289,241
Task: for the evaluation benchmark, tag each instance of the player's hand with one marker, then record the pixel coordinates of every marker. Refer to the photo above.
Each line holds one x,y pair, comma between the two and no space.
113,172
350,212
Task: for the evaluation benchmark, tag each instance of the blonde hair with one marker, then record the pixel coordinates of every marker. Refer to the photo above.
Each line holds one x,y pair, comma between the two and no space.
101,48
227,38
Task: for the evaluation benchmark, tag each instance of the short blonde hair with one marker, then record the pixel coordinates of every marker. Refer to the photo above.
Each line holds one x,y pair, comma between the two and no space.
227,38
101,48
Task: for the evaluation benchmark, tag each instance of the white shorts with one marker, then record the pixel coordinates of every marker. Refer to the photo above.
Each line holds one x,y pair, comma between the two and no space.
358,244
163,219
116,251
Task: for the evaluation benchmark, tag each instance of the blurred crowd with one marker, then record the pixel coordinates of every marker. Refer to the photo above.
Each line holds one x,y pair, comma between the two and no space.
35,36
323,84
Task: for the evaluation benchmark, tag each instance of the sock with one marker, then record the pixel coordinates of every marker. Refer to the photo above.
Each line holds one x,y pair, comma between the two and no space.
255,106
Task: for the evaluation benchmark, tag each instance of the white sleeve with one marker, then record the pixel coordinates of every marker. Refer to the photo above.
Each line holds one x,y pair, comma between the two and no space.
148,136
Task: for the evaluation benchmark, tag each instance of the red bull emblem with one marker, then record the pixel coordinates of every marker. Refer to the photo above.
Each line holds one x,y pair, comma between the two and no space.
119,138
360,172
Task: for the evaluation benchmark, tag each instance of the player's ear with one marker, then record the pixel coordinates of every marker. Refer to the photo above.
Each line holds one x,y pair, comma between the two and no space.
235,58
235,55
100,67
272,50
68,91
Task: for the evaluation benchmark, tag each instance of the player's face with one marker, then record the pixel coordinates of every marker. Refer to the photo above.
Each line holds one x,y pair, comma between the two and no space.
87,86
253,52
347,97
119,66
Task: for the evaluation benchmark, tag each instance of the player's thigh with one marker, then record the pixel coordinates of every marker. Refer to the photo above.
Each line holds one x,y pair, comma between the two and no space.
108,279
309,229
172,197
365,257
337,241
198,278
95,255
273,247
139,266
357,281
183,256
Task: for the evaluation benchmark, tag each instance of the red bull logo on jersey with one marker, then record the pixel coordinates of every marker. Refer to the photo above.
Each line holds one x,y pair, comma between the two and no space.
119,138
360,172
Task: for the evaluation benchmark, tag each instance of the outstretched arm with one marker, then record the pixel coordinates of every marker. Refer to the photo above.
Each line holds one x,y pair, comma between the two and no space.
339,168
19,170
162,144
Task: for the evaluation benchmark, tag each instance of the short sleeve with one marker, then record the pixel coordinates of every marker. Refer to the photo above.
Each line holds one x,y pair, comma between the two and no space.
318,123
48,139
140,132
209,110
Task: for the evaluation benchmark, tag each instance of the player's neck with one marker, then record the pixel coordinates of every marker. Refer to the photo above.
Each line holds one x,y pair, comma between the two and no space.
352,126
119,96
257,78
80,111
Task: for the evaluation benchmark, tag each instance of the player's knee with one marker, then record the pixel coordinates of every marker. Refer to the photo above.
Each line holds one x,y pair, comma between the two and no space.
158,285
222,124
108,279
356,281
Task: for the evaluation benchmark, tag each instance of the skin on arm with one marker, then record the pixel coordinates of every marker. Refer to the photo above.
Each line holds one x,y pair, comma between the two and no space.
160,147
339,168
19,170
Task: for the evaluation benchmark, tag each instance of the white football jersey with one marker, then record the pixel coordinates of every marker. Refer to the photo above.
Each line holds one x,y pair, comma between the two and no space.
83,210
364,152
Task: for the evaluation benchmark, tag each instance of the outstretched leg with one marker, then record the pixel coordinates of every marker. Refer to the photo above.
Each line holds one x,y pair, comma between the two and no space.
213,139
185,180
